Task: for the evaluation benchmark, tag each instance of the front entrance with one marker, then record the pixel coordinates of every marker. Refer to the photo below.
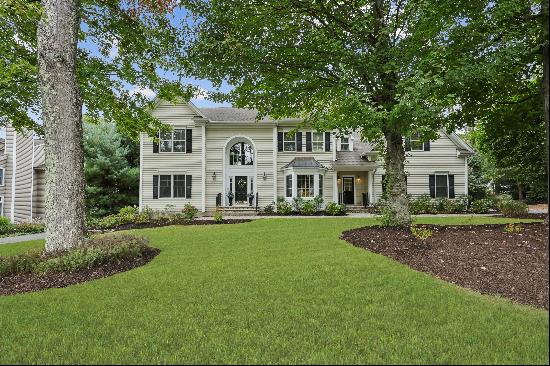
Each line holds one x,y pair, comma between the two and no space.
348,190
241,189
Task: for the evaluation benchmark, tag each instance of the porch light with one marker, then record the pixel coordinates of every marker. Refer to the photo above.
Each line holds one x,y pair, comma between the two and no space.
214,176
265,176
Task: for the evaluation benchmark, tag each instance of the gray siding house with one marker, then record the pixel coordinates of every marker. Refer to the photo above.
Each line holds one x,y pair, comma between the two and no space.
224,157
21,176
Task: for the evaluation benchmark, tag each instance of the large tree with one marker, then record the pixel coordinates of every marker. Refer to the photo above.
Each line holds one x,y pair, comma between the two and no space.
371,65
96,54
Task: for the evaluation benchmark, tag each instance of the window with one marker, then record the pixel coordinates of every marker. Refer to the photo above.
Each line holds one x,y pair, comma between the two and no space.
416,143
1,176
241,154
344,143
289,142
321,185
289,185
172,141
179,186
442,186
318,142
165,186
305,186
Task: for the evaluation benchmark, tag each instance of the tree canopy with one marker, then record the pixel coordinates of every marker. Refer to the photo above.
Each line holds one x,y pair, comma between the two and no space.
125,50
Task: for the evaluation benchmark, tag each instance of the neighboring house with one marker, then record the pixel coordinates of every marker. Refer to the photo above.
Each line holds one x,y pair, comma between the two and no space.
21,176
222,156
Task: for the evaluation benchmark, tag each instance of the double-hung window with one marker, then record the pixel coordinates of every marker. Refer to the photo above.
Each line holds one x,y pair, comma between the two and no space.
171,186
318,141
441,185
165,186
416,143
289,142
289,185
173,141
305,185
344,144
179,186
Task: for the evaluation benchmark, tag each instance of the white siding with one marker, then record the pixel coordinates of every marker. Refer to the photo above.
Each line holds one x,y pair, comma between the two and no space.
442,157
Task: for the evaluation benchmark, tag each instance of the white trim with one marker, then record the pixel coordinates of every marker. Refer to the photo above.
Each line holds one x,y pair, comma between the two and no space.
2,207
288,141
245,169
334,147
275,164
32,175
174,128
13,176
3,176
141,172
203,168
370,176
335,187
348,176
465,177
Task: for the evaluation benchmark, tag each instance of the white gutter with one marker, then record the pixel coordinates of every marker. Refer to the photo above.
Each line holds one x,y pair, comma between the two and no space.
203,168
275,164
140,172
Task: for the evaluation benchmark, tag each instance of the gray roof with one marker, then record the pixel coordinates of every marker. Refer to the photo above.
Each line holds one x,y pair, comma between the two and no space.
302,162
229,114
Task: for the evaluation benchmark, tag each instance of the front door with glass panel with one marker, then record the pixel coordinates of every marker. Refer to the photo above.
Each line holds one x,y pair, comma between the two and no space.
241,189
348,190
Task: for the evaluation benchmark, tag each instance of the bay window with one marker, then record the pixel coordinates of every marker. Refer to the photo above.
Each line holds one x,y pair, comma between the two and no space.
305,185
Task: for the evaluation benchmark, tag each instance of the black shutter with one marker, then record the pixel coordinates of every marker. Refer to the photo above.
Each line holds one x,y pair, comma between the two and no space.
407,144
298,141
155,187
427,146
308,141
279,141
188,140
451,186
327,141
432,185
156,145
188,182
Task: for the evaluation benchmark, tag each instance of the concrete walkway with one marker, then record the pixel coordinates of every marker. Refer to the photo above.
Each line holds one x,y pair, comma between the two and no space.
20,238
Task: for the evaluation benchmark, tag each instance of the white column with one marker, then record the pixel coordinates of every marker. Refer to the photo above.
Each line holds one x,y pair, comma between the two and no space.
371,187
203,167
335,186
275,163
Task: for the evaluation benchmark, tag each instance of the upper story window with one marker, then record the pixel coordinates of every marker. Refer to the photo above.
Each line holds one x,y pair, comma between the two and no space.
344,144
173,141
241,153
318,141
289,142
1,176
416,143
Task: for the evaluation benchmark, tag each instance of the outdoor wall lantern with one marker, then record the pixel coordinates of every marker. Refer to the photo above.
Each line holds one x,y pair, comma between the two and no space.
265,176
214,176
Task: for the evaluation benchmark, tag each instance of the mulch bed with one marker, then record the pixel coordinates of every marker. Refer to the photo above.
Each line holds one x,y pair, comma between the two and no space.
28,282
484,258
160,223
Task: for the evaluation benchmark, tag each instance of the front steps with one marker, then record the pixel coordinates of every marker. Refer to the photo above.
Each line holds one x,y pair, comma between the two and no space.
359,209
239,210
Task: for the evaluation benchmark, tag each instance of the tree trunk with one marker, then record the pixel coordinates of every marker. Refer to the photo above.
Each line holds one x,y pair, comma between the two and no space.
546,87
62,117
396,186
520,192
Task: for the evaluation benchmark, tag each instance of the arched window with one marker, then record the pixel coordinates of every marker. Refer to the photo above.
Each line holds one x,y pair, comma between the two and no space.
241,154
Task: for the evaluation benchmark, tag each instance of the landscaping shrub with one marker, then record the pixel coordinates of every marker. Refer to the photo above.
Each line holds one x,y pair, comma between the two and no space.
389,217
98,251
421,205
4,221
335,209
20,229
481,206
308,208
513,228
269,209
318,202
297,203
511,208
421,232
218,216
283,206
190,212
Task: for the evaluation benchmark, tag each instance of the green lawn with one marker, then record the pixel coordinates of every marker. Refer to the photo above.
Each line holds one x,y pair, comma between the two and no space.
268,291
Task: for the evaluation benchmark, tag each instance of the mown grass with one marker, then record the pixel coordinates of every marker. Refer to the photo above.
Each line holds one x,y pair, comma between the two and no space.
268,291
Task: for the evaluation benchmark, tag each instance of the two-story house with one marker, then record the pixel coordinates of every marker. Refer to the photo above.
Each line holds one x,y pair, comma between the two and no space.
223,156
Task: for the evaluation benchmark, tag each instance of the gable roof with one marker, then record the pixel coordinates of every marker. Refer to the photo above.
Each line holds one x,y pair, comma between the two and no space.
463,147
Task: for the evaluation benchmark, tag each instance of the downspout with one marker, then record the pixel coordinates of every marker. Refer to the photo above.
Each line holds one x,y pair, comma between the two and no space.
275,165
140,172
203,167
32,173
